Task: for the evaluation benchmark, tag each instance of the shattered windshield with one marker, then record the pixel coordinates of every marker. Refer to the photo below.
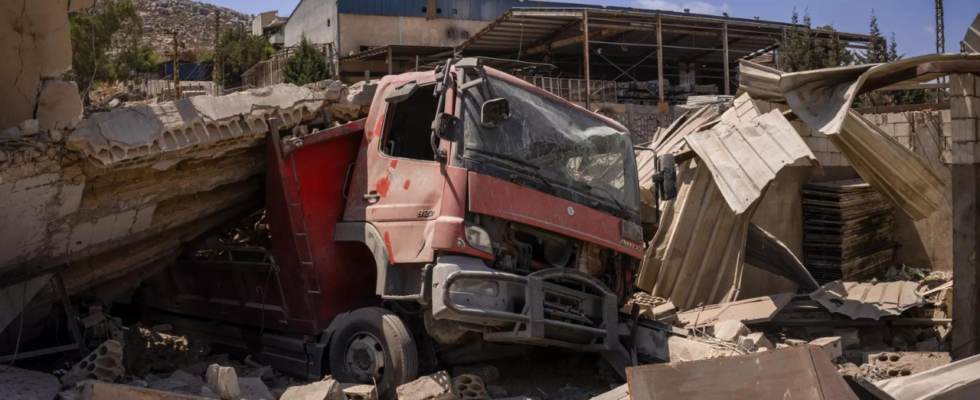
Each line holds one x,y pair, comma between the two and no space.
555,141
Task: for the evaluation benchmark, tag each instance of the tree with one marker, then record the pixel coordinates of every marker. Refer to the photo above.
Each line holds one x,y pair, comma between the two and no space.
307,64
881,51
105,43
238,51
801,50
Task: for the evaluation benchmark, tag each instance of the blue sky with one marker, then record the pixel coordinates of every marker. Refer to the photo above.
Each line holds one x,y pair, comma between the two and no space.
912,21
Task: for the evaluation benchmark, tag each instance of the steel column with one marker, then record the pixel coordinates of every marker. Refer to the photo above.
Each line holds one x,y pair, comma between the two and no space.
585,50
724,38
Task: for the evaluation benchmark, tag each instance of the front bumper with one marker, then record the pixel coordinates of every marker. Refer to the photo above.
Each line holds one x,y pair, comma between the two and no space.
526,309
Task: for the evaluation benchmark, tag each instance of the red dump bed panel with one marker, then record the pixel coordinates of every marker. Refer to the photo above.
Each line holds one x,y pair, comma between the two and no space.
314,278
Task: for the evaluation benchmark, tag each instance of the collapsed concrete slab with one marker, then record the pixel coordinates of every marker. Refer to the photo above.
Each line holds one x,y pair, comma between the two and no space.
198,127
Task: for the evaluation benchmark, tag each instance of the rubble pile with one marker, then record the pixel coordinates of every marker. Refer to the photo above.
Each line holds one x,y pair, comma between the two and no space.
192,20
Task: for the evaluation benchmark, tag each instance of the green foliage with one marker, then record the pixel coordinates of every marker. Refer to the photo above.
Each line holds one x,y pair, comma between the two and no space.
307,64
881,51
105,43
801,50
238,51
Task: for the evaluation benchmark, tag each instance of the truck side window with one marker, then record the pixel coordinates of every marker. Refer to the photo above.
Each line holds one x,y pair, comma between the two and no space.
410,126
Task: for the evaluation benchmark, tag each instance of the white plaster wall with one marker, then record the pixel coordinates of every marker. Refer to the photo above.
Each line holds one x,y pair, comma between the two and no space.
317,19
376,30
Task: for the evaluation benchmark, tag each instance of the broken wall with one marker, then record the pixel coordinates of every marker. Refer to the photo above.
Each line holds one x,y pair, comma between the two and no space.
124,189
35,51
926,243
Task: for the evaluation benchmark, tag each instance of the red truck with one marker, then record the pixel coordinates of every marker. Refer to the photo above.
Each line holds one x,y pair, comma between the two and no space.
469,203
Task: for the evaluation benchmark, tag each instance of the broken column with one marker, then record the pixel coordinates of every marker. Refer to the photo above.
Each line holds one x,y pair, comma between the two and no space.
965,112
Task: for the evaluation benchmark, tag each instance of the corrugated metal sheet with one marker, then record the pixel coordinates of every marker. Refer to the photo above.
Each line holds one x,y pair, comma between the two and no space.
821,98
482,10
749,311
696,256
867,300
668,141
745,157
891,168
759,81
766,252
971,42
958,380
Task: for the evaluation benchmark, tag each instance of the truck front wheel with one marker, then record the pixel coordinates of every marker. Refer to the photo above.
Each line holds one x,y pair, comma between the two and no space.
372,345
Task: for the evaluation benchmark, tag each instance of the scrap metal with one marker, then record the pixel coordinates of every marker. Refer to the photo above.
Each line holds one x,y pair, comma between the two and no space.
868,300
745,158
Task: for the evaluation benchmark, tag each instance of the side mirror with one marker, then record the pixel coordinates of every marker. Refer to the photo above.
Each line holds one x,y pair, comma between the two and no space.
494,112
401,92
667,174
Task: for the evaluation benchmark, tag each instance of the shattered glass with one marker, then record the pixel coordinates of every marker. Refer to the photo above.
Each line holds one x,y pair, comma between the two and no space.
563,144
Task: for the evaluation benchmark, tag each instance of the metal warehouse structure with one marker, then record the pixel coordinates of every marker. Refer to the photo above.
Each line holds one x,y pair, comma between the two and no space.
621,44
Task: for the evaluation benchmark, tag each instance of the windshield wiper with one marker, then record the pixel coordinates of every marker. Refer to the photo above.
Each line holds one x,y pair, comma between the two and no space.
531,168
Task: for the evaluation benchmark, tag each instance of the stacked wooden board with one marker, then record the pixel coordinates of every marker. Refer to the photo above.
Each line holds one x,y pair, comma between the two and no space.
847,231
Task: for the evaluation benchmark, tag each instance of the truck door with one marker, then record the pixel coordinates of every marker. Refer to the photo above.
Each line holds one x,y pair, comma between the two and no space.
403,185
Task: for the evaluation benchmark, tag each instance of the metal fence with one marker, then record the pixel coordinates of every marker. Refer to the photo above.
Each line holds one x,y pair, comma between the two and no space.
574,89
149,85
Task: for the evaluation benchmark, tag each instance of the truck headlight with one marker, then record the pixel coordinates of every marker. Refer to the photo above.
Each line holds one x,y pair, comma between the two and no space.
475,286
478,238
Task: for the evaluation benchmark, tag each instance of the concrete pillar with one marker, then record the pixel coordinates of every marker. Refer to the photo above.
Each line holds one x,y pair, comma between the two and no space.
965,113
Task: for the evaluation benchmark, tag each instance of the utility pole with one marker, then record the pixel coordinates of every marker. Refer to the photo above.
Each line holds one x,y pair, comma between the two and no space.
176,69
216,57
940,43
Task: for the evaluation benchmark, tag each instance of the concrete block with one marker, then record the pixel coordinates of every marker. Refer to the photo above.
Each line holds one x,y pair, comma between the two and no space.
254,389
470,387
355,391
437,386
793,343
104,364
488,373
755,340
730,330
901,129
223,381
831,346
95,390
323,390
681,350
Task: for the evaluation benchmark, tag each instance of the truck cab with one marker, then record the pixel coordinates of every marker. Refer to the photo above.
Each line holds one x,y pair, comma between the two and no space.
468,202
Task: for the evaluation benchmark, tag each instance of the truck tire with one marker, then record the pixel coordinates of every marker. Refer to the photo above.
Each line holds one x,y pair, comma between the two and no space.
372,345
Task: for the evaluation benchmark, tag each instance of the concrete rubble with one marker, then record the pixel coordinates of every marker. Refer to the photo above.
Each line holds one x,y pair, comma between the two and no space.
725,303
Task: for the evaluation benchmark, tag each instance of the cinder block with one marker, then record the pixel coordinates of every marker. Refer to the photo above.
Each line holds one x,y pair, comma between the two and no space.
104,364
901,129
469,387
896,118
964,130
831,346
488,373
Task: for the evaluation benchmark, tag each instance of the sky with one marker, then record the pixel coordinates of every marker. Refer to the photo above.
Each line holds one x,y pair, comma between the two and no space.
912,21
